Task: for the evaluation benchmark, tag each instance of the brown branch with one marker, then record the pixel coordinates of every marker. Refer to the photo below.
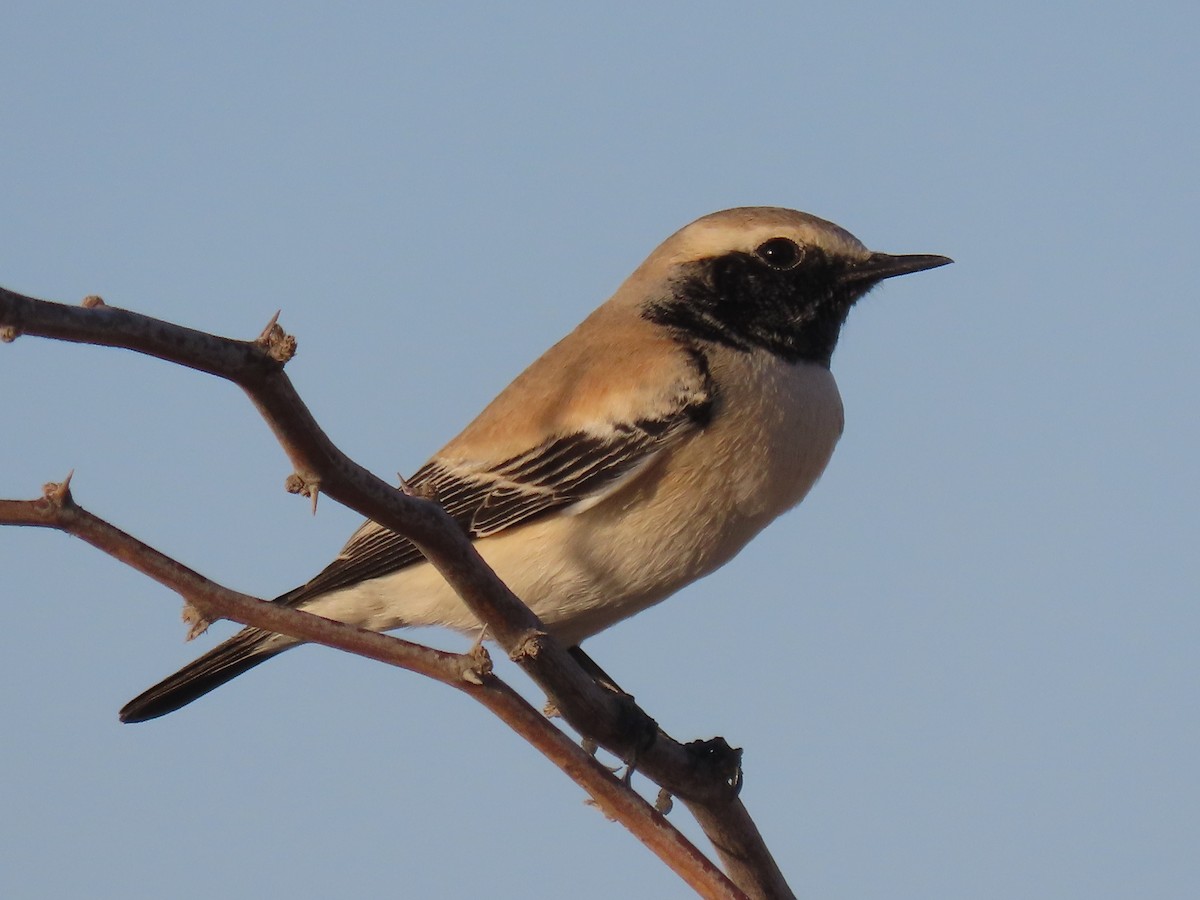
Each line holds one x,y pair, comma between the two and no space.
703,775
469,673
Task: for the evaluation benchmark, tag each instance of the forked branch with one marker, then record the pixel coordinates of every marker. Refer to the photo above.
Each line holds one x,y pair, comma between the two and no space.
703,775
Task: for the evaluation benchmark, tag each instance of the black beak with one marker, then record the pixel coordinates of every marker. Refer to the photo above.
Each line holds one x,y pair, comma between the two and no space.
879,266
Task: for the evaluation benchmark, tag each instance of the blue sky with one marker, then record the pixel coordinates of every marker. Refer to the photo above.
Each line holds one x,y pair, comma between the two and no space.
965,666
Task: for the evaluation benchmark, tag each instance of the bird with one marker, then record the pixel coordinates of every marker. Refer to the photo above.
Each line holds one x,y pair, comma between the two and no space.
636,455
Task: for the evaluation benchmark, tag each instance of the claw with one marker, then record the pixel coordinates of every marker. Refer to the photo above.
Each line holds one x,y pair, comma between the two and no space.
664,802
630,768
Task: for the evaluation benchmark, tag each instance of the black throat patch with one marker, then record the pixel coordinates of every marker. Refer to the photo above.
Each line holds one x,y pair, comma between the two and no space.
741,302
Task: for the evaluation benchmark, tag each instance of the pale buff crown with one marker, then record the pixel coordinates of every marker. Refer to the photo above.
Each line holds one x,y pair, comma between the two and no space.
742,230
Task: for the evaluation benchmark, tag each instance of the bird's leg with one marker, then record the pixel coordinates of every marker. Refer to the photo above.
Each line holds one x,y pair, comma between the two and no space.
601,677
648,726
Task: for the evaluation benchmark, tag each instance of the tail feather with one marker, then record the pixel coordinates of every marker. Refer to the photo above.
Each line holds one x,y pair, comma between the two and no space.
241,652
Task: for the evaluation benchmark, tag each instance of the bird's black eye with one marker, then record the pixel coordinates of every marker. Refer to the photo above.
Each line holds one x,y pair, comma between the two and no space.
780,253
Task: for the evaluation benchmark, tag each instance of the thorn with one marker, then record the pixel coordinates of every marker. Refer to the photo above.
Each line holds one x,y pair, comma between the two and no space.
196,621
478,645
93,301
550,711
59,492
528,646
296,484
480,662
266,332
278,344
426,491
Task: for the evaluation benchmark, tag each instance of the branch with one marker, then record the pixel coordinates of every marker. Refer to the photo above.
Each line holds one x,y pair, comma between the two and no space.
704,774
469,673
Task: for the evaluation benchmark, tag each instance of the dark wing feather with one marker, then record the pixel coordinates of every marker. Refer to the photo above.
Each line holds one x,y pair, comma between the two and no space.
563,471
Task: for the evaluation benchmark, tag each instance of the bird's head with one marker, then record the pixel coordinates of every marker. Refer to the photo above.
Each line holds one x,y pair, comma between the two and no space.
765,277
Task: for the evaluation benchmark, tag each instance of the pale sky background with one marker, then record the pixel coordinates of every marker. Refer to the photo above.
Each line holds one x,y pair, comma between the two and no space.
966,666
